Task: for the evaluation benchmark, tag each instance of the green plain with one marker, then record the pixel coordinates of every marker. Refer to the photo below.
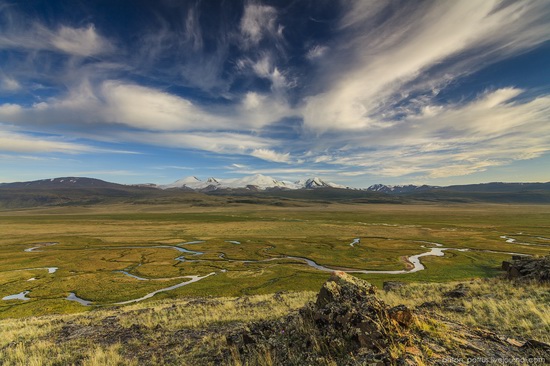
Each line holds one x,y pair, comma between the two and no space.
96,241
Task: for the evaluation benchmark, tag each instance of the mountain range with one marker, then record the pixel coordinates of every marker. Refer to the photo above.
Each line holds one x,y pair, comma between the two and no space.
261,182
257,189
254,182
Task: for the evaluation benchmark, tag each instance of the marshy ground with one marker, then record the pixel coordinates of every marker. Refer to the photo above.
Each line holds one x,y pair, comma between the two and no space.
245,249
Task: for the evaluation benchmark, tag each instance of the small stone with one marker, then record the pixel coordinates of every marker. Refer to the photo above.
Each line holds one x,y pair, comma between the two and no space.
514,342
459,291
429,304
532,343
402,315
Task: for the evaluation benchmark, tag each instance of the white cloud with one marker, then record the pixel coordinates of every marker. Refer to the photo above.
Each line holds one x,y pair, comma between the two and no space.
316,52
296,172
9,84
258,21
148,108
193,33
21,143
376,68
218,142
84,41
260,109
270,155
80,41
10,109
145,108
264,67
491,130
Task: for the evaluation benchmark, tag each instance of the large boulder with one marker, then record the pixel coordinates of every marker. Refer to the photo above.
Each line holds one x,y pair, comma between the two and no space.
347,322
347,307
528,268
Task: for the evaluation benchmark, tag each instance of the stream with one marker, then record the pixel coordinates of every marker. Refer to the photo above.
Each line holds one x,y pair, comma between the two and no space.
19,296
151,294
415,260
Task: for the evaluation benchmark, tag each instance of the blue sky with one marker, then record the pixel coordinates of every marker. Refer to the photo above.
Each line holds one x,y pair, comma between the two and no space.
356,92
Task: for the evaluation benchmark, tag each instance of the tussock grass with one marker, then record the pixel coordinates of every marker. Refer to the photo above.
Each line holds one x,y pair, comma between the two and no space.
517,309
200,313
38,341
109,356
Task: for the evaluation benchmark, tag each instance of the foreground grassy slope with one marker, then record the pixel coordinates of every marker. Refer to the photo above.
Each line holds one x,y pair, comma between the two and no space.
195,331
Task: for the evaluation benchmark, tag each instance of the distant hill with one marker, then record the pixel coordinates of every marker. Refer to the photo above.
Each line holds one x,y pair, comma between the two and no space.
83,191
497,192
495,187
64,182
257,189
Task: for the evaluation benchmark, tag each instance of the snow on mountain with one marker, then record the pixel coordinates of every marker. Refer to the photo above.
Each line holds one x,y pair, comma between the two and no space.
258,181
317,182
189,182
397,188
379,188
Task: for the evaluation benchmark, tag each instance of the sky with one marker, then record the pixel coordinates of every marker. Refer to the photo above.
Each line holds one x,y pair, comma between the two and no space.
356,92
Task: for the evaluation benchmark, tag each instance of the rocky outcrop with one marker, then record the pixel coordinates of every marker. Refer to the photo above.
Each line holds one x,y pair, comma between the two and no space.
528,268
349,325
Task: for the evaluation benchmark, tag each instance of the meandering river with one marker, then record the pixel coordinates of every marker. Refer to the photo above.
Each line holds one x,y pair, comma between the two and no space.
438,250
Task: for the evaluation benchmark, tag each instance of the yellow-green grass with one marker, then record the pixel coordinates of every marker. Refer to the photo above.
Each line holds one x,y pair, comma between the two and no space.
95,242
39,340
520,310
191,331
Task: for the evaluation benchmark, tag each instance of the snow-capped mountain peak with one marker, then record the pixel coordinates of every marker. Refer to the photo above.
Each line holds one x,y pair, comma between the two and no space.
317,182
257,181
383,188
187,182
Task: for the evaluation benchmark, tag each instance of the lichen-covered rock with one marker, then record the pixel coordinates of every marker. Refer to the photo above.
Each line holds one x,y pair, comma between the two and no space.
347,322
348,325
343,287
528,268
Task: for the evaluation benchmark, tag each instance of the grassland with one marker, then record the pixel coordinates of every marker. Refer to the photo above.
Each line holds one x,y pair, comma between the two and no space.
194,331
95,242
